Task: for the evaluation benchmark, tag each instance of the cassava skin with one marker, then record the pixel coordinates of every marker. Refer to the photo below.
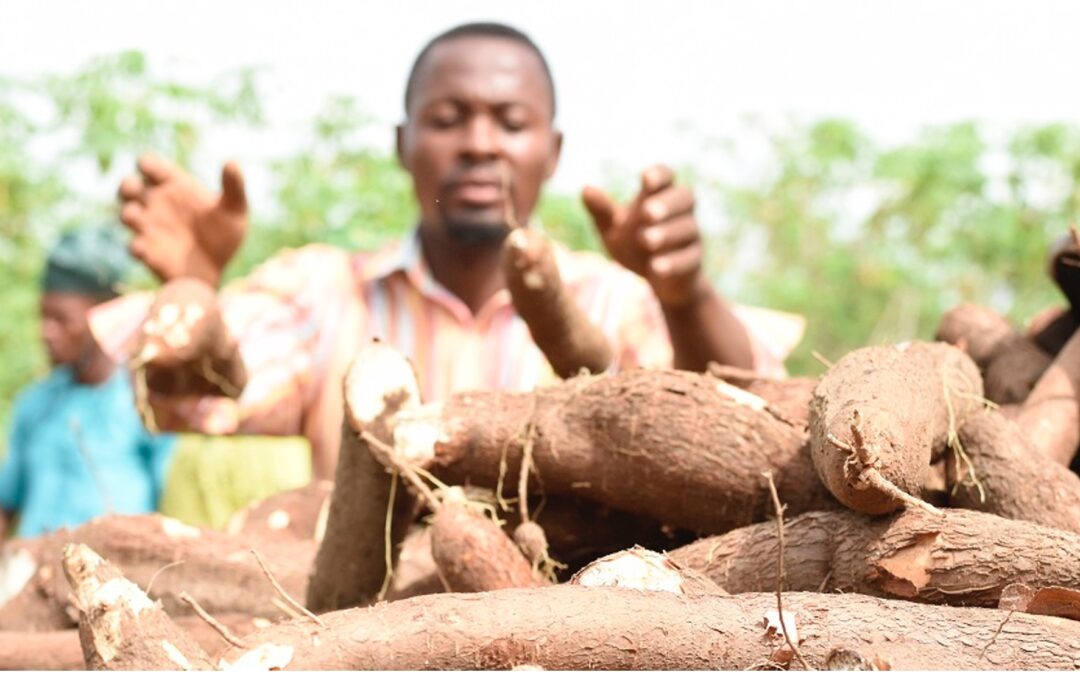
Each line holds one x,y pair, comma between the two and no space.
350,567
474,554
978,330
897,394
579,531
292,513
1011,363
960,558
788,397
558,325
120,628
1014,371
576,628
1018,482
1050,416
61,649
219,570
667,445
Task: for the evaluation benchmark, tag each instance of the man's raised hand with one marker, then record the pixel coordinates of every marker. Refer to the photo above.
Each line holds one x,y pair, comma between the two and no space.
180,228
655,235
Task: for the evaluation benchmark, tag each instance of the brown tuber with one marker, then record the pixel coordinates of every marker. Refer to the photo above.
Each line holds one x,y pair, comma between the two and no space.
881,415
959,558
667,445
558,325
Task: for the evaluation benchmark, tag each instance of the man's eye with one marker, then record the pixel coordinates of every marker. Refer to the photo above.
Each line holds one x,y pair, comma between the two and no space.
514,124
444,120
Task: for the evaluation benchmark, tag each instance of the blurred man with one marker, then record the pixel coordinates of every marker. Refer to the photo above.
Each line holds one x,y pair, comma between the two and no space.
479,140
78,448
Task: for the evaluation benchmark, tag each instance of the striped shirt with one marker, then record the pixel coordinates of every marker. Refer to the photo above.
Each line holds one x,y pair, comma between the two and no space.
300,317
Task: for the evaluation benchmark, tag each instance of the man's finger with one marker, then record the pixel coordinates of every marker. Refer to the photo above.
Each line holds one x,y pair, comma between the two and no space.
669,203
134,216
600,206
131,189
674,234
677,263
233,196
656,178
156,170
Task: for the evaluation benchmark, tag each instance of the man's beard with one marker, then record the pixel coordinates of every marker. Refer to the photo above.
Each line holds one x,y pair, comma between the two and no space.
475,231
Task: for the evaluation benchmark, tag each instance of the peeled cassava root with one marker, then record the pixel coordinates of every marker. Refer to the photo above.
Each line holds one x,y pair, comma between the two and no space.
218,570
959,558
557,324
662,444
881,415
575,628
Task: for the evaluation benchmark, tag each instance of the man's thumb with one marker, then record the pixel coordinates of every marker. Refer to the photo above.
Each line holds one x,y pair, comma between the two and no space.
233,196
600,206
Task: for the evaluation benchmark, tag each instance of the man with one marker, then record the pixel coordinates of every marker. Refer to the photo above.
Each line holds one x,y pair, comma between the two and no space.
479,140
78,447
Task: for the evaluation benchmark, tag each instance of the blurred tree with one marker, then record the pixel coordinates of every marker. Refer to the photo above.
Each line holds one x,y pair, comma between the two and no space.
873,244
61,131
870,243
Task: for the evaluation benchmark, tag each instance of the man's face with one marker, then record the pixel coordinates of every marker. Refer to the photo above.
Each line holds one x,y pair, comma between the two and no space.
479,125
64,328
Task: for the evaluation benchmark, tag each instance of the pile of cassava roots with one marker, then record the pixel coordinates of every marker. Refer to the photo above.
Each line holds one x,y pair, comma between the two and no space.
911,508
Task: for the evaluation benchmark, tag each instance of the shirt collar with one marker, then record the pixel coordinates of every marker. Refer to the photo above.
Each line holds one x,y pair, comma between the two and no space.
402,255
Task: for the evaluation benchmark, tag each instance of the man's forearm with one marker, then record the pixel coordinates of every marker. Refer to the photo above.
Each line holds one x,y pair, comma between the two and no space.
705,329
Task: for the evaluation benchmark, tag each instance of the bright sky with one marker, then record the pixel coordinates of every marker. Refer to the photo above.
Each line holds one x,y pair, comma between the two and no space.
628,74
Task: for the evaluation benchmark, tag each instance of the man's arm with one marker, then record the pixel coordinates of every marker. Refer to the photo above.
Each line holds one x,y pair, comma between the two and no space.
656,236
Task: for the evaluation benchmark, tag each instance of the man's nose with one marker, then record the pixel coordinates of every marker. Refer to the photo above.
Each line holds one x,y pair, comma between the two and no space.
481,138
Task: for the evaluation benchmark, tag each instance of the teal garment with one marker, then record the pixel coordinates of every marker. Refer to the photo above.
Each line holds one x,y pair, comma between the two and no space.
78,452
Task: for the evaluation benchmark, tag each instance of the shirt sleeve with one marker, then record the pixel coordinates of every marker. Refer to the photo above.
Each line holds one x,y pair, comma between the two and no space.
13,472
282,317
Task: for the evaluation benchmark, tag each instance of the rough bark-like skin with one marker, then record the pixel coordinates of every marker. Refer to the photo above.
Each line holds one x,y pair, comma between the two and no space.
351,563
575,628
52,650
1017,481
474,554
415,572
61,649
662,444
789,397
218,569
293,513
557,324
1050,416
961,558
899,395
120,628
978,330
1011,363
1016,367
579,531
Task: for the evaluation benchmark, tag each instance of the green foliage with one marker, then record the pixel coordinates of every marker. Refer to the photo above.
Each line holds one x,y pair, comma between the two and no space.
870,243
338,191
56,131
873,244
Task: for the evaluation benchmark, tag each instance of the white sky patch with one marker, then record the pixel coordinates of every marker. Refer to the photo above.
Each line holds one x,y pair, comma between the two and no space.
632,90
